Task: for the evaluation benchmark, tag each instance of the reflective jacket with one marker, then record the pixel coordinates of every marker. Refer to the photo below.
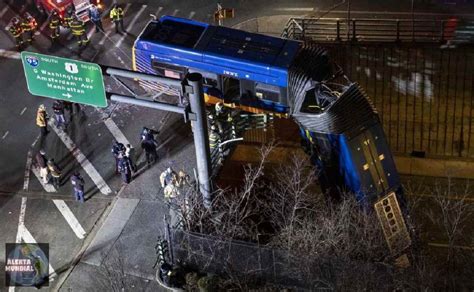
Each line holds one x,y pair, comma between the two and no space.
54,22
41,116
15,31
26,26
77,27
116,14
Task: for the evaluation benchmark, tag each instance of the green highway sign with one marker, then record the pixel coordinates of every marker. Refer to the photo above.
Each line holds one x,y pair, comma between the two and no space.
65,79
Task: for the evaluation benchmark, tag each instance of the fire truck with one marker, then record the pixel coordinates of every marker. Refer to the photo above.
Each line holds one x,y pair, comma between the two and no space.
81,7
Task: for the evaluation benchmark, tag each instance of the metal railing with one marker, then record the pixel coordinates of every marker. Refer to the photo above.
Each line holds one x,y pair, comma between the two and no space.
380,30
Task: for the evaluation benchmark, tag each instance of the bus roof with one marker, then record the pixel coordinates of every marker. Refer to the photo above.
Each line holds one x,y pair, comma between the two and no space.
180,39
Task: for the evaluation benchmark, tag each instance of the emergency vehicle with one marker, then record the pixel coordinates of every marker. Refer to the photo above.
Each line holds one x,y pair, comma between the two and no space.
81,7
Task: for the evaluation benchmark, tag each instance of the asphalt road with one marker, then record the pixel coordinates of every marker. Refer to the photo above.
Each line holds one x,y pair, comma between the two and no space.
53,216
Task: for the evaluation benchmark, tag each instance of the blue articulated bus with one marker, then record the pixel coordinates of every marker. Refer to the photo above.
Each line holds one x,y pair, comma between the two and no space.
257,73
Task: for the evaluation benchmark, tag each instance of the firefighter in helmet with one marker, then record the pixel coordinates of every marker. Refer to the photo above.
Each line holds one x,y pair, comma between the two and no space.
68,16
54,23
15,30
28,25
79,31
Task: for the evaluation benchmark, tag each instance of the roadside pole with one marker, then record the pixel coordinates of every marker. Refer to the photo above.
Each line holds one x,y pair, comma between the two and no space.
201,137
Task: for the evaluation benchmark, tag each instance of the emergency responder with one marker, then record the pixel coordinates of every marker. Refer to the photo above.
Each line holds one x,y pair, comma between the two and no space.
214,138
55,172
95,16
28,25
125,169
68,16
58,109
118,150
42,120
79,31
15,29
54,22
116,15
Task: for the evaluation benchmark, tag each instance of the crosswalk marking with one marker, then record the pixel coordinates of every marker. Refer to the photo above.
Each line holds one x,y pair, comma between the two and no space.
47,187
130,25
9,54
116,132
83,161
4,10
107,34
70,218
158,11
28,238
25,235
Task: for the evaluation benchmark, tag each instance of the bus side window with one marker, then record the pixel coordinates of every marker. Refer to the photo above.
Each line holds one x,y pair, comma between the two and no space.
171,71
267,92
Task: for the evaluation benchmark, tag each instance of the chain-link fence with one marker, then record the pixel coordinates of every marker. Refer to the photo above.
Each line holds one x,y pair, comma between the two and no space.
252,263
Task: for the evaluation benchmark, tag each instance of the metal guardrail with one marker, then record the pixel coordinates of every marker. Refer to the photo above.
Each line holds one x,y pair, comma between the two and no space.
380,30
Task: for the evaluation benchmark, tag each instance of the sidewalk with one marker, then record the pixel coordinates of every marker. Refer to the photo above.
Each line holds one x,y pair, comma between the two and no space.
124,245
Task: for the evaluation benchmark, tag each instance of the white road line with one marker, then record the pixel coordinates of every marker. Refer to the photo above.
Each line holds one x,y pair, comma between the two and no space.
29,161
175,12
36,140
9,54
107,34
116,132
28,238
191,15
25,235
4,10
70,218
158,11
130,25
21,223
82,159
5,135
47,187
23,111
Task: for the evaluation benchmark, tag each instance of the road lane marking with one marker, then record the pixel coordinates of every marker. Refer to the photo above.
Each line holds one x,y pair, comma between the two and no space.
28,238
23,111
90,33
36,140
70,218
9,54
191,15
82,159
107,34
5,135
130,25
158,11
4,10
116,132
47,187
175,12
29,161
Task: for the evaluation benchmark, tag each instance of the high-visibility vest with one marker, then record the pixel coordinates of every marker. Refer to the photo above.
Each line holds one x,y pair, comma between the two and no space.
77,27
54,23
116,13
15,31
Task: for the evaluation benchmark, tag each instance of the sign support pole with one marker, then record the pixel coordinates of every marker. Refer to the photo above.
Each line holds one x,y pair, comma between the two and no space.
201,137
